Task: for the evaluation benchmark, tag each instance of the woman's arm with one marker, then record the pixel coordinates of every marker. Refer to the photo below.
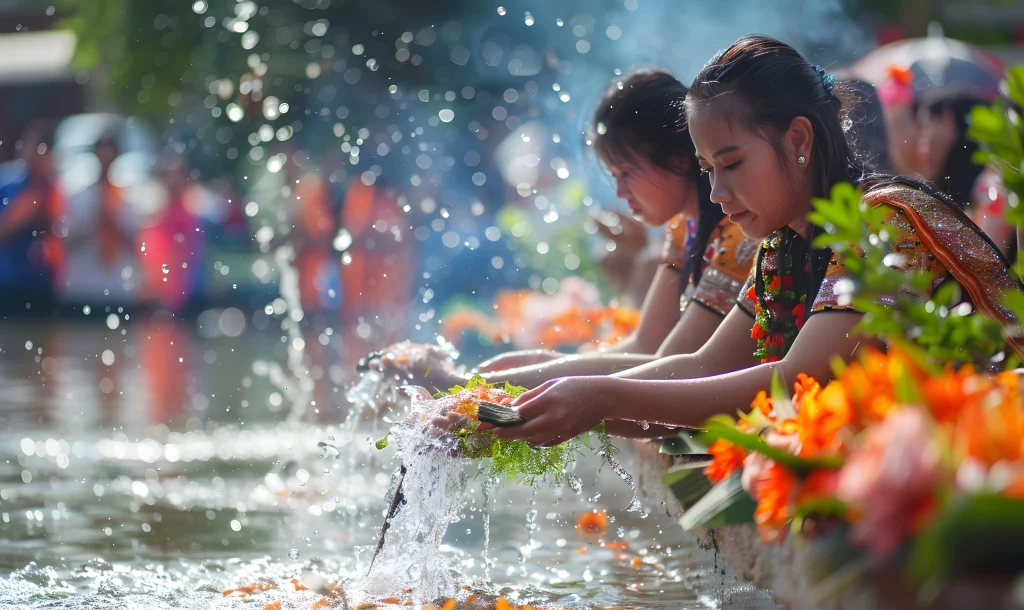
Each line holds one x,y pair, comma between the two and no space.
692,330
729,349
564,408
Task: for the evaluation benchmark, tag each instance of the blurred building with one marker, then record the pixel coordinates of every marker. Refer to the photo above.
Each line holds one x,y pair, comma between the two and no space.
36,79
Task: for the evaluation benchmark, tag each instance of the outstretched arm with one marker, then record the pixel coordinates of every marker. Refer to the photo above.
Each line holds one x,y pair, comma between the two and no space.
564,408
691,332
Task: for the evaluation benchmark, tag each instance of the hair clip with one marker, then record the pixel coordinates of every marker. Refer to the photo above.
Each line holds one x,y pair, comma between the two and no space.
828,81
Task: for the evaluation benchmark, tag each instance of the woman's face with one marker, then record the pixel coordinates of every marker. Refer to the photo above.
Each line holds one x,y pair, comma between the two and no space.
902,133
936,138
747,179
654,194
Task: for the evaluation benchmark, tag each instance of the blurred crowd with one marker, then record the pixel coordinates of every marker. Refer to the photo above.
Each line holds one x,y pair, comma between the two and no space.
77,231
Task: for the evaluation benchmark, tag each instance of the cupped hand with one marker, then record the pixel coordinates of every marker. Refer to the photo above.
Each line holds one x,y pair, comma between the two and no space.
561,409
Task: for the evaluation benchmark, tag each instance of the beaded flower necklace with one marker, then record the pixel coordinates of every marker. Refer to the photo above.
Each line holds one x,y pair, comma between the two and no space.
779,297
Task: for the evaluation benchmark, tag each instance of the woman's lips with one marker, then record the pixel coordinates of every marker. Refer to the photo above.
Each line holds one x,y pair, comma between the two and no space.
738,216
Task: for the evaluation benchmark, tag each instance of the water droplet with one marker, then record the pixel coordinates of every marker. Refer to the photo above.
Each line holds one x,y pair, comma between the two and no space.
847,124
165,268
293,554
501,11
645,425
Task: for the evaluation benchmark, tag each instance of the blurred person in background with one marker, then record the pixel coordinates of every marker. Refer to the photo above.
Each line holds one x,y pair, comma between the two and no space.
30,253
99,229
375,279
172,243
315,226
945,157
896,93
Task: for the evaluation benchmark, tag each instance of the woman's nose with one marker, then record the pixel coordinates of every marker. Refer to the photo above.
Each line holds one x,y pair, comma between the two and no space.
720,193
621,190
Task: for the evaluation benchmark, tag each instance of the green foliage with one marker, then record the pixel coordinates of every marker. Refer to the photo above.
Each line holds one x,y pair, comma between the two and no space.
999,132
519,461
687,483
725,504
942,331
978,533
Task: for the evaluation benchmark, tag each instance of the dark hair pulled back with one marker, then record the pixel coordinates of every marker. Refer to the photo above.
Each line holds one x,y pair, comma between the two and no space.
640,119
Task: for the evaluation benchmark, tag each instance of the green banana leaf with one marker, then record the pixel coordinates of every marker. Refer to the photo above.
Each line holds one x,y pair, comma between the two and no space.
725,504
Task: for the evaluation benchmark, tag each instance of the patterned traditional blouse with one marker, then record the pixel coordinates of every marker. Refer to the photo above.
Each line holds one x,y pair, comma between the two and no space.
927,234
727,262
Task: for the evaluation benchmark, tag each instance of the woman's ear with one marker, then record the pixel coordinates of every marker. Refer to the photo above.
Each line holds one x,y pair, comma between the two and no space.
799,139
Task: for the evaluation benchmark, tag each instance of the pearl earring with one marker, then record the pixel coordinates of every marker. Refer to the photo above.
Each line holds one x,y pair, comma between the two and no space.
801,159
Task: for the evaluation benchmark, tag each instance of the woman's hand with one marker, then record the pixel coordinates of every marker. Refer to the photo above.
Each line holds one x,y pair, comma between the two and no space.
562,409
514,360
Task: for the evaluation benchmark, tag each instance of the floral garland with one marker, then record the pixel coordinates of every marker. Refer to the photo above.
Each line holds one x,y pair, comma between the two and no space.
904,454
779,312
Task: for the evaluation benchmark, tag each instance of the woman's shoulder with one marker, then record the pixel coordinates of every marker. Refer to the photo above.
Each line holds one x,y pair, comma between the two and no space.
728,260
734,250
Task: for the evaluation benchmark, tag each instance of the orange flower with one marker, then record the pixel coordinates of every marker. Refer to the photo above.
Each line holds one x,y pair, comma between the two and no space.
900,75
762,403
727,457
868,385
592,522
805,386
775,284
751,293
773,491
819,419
992,433
757,331
948,393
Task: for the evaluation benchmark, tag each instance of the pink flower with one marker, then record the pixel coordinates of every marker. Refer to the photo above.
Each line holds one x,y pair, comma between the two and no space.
889,481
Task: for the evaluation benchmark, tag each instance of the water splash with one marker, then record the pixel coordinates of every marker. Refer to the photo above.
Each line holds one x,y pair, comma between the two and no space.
376,388
434,488
634,504
289,287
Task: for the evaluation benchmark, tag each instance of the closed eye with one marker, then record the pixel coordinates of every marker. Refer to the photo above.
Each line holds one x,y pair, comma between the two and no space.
733,166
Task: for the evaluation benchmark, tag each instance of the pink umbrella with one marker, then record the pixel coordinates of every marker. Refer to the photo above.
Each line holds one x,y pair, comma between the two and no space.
934,61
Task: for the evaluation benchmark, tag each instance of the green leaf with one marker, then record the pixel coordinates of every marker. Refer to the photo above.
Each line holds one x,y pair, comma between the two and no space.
514,390
981,533
725,504
382,443
753,442
782,404
683,443
687,483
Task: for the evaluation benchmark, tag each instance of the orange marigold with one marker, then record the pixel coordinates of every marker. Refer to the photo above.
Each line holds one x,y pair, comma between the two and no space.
762,403
727,458
592,522
820,418
805,386
773,490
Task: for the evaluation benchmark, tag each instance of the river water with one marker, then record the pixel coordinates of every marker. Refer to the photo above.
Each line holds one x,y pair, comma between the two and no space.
147,464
